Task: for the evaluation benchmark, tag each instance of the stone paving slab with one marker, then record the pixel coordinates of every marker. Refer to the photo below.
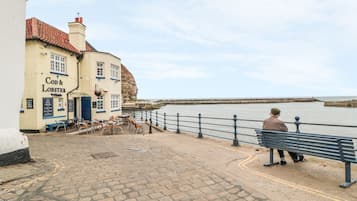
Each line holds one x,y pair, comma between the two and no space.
136,168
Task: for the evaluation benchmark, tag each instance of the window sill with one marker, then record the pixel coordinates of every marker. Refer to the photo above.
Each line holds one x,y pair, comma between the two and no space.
100,111
54,117
100,77
115,110
115,79
59,73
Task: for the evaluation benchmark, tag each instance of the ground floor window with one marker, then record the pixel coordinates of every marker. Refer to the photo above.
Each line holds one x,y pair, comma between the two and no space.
114,103
100,103
60,104
29,103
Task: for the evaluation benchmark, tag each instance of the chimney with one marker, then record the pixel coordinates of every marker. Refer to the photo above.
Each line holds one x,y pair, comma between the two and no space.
77,33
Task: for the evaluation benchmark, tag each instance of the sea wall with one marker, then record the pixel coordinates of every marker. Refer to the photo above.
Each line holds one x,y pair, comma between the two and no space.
234,101
350,103
151,104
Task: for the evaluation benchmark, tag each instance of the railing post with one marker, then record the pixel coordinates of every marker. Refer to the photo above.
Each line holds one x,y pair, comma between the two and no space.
146,115
150,114
150,127
178,123
142,116
199,126
297,124
157,123
235,140
165,128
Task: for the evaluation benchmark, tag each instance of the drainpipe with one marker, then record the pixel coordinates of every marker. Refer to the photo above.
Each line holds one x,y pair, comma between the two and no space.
79,58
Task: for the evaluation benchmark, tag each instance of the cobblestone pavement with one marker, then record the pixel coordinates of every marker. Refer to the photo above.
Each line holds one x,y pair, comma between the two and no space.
114,168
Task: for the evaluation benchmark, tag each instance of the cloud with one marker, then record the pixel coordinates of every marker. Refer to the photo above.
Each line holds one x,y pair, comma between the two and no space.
176,73
83,2
294,71
103,32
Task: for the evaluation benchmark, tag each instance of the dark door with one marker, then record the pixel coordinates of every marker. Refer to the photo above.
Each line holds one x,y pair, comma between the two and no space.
75,108
86,108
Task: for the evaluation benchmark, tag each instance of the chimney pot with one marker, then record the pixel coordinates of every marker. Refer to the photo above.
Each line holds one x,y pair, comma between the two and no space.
81,20
76,19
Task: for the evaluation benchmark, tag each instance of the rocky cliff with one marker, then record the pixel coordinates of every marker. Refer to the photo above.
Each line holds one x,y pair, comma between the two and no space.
129,89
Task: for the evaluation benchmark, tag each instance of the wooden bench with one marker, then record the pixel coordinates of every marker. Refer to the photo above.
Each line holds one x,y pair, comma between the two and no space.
337,148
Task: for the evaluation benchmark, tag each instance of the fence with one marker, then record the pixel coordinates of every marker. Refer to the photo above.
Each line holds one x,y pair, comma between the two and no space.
238,130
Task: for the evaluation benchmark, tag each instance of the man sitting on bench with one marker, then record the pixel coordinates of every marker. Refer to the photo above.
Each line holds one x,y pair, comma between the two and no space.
274,123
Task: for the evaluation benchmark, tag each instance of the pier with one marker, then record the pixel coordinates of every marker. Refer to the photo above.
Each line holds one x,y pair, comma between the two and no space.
349,103
156,104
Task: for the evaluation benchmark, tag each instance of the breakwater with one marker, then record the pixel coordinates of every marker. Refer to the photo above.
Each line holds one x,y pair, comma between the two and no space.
156,104
349,103
233,101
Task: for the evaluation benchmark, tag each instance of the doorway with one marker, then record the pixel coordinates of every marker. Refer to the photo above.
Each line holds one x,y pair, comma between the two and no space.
86,108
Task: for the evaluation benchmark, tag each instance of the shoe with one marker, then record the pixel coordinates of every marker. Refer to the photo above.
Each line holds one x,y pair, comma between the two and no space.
301,158
282,162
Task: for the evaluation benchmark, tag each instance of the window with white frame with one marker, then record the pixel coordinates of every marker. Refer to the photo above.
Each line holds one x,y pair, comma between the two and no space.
100,69
60,103
100,103
58,64
114,102
114,71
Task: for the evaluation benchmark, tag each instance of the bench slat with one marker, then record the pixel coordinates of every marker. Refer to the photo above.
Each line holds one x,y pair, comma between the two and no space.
259,131
298,135
319,144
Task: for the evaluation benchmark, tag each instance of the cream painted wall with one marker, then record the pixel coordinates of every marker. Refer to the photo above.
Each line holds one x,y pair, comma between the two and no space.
88,81
38,77
12,55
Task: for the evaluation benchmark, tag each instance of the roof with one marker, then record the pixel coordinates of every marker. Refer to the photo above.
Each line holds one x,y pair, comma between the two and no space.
39,30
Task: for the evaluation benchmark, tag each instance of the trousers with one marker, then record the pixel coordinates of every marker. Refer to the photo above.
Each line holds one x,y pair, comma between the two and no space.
293,155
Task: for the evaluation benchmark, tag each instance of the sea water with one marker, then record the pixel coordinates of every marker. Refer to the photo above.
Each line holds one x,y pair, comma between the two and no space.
309,112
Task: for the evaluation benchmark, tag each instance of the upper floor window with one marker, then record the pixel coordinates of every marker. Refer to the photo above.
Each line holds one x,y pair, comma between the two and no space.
114,71
58,64
100,69
114,103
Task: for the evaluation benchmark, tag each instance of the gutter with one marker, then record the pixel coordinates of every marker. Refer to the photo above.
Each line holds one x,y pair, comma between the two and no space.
79,58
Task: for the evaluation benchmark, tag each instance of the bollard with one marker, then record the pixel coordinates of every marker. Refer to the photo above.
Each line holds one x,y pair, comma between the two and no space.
178,123
297,123
199,126
142,118
157,123
165,128
235,140
150,114
150,127
146,115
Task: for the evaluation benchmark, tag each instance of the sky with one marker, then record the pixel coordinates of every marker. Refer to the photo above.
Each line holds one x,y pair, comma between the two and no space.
222,48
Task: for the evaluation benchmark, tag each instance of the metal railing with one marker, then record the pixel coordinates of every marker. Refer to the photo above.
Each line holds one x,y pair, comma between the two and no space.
238,130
